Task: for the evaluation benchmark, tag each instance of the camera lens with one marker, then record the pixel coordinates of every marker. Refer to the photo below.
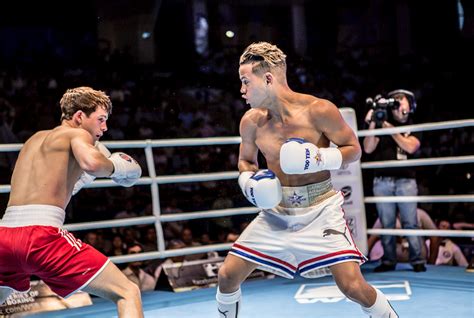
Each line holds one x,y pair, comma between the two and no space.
379,115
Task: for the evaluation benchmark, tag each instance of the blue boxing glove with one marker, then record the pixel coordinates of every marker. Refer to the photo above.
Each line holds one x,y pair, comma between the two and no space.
127,171
298,156
261,188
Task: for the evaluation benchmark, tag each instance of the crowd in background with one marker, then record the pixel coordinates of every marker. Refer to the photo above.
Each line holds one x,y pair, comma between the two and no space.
205,102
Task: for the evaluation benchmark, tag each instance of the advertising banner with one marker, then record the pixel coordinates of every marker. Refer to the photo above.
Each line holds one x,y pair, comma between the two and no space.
348,180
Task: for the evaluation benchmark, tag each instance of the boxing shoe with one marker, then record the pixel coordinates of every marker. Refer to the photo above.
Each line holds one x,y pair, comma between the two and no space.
385,268
419,268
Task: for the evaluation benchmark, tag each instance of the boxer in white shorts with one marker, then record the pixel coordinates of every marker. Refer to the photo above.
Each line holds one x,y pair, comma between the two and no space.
309,240
301,227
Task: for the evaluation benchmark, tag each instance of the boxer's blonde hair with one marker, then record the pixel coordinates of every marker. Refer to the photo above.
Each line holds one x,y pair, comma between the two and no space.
85,99
265,56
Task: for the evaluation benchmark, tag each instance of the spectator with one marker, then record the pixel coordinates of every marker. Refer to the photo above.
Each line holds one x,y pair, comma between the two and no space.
426,223
136,274
395,181
449,252
92,238
118,246
172,245
188,239
151,242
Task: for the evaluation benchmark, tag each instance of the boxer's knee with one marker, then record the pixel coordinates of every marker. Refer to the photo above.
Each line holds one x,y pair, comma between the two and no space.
133,291
228,279
128,291
352,288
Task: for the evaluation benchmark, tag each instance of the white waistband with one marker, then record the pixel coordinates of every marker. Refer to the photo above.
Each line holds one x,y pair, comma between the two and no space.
306,196
33,214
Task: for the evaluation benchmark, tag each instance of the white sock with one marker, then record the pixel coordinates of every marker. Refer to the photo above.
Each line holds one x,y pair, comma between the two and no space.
228,304
381,308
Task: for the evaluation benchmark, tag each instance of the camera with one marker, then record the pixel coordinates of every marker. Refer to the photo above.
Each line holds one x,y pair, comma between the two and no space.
381,105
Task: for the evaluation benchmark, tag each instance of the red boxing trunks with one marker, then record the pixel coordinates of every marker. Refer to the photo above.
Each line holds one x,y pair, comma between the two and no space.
53,254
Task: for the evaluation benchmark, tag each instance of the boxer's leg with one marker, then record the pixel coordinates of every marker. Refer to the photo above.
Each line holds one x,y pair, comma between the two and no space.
112,284
350,281
231,274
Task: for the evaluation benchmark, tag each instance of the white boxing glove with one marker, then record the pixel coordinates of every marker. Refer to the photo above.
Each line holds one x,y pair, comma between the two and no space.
127,171
297,156
261,188
86,178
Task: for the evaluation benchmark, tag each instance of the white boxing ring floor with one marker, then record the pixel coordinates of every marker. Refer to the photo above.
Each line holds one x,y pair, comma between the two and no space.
441,291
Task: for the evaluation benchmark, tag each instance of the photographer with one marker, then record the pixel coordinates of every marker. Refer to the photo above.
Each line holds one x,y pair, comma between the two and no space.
385,113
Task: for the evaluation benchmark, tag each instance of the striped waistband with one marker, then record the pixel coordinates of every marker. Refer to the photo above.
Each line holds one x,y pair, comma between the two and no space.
33,214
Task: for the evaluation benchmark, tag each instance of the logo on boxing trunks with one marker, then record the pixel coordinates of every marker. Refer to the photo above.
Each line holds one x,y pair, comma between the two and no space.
306,162
126,157
87,271
76,243
328,232
296,199
346,192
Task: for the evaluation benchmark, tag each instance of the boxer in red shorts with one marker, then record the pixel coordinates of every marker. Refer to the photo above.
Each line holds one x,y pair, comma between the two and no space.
51,167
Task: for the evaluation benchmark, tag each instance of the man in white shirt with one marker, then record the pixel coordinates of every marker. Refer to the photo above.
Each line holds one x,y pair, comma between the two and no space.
136,274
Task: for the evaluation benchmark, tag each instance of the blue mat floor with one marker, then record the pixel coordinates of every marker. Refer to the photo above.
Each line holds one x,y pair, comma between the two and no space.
440,292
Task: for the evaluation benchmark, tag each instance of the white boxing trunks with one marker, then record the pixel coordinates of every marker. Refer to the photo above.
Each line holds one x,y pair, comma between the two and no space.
307,239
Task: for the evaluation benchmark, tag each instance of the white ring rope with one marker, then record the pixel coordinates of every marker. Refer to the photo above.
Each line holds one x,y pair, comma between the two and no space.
403,232
198,177
422,198
154,181
419,127
181,142
141,220
144,220
178,142
170,253
417,162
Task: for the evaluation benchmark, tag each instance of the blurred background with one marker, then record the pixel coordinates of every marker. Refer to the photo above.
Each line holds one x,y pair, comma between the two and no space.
170,68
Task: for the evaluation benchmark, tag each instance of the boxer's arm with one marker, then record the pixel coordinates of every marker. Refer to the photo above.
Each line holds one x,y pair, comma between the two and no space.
329,121
261,187
90,159
86,178
248,151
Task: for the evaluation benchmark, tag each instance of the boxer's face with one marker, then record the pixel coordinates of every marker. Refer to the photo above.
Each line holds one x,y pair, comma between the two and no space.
96,123
253,87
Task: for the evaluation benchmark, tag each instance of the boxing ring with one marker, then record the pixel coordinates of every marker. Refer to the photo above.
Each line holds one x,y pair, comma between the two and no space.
442,291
